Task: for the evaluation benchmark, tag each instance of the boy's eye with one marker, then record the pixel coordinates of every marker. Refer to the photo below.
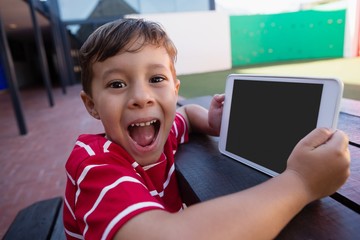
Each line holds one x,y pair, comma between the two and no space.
117,84
157,79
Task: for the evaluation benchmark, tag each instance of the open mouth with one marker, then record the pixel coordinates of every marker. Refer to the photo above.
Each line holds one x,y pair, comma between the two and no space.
144,133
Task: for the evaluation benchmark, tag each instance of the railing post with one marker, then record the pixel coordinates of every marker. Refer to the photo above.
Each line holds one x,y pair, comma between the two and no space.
41,52
9,70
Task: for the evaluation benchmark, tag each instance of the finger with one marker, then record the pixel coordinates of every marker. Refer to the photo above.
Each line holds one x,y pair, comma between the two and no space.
219,97
338,140
317,137
218,100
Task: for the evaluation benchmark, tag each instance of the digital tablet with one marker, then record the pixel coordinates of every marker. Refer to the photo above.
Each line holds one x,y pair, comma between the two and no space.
264,117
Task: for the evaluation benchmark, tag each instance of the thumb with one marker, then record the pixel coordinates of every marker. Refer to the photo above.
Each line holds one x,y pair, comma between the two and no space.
316,137
338,140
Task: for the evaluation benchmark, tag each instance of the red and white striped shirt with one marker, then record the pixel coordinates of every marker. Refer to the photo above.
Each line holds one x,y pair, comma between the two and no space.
106,187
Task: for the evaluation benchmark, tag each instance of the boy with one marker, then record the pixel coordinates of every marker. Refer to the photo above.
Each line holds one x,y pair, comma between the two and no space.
121,184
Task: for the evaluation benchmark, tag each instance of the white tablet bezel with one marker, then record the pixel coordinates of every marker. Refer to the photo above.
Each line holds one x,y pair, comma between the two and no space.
328,111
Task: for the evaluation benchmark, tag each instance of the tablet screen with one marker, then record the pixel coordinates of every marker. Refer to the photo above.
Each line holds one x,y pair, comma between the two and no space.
267,119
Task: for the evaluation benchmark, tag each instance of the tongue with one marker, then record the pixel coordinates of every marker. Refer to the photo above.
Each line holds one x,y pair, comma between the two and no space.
143,135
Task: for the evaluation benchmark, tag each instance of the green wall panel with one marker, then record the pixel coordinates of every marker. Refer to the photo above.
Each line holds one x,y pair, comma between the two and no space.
257,39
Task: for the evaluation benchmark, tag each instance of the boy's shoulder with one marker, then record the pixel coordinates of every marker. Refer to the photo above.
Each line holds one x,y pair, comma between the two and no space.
91,144
95,149
92,138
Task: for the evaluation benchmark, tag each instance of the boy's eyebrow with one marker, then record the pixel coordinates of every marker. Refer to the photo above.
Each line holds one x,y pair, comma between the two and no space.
119,70
110,71
157,65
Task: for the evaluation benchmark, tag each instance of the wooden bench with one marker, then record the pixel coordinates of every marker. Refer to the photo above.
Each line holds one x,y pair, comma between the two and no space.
41,220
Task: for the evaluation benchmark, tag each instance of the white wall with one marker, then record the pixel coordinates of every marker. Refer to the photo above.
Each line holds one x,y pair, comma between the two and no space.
202,39
352,28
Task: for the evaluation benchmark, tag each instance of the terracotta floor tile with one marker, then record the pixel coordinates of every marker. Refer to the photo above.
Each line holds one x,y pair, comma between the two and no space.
32,166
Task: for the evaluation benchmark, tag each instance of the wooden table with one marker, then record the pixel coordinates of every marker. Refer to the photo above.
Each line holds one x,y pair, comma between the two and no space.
204,173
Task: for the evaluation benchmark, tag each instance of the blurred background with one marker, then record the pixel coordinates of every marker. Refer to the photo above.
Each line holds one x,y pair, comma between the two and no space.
211,35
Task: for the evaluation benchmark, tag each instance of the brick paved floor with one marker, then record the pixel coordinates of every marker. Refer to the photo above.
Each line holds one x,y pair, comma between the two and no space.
32,166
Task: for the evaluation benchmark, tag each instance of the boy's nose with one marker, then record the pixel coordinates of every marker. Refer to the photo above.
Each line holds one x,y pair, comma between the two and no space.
141,97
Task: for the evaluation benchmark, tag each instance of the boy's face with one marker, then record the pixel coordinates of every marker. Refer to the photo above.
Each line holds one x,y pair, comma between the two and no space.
134,95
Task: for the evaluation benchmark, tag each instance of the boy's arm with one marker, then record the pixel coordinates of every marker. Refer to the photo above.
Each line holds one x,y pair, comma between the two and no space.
201,120
268,206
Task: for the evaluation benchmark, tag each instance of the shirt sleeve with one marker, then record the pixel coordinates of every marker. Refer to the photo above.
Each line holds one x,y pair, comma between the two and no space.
106,197
180,129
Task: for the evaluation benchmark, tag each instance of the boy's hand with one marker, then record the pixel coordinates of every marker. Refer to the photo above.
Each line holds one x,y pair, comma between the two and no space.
215,112
322,161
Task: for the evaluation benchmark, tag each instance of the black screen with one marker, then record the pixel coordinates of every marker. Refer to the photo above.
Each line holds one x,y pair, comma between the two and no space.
267,119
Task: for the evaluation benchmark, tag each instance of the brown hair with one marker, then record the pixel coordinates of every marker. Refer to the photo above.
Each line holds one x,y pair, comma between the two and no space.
117,36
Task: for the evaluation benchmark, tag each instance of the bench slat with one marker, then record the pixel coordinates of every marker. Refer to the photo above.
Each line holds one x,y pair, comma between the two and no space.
58,232
36,221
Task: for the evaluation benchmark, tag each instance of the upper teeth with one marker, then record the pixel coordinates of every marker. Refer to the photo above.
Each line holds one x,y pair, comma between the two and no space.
143,124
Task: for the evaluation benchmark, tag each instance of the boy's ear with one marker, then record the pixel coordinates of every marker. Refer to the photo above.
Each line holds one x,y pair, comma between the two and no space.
89,104
177,86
